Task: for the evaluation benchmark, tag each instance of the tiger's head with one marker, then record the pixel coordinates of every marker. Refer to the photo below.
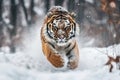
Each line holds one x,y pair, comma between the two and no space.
60,25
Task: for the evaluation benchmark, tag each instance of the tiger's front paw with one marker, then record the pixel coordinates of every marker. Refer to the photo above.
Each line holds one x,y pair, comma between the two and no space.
72,63
56,60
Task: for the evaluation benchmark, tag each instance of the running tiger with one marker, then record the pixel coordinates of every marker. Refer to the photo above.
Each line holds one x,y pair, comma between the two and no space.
58,38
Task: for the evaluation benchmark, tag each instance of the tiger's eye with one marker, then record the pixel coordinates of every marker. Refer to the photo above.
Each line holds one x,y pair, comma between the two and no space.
49,25
54,27
68,27
53,24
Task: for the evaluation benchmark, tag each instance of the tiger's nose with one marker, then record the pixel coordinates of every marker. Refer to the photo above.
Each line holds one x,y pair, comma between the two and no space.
60,32
61,36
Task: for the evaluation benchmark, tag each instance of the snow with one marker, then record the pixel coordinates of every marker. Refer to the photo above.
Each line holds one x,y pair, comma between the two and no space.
90,1
38,10
31,64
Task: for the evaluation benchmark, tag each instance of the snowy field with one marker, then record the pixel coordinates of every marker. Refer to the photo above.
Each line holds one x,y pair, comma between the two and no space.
31,64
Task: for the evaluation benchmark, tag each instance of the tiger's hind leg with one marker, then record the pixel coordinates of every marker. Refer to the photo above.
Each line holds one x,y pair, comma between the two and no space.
73,58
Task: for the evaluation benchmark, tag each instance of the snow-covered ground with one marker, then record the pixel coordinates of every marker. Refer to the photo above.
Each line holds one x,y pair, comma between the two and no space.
31,64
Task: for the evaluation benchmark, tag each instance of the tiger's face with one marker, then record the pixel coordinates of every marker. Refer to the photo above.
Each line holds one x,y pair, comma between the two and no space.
61,29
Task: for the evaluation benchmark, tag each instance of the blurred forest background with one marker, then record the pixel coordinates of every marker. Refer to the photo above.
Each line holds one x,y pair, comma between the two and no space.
99,20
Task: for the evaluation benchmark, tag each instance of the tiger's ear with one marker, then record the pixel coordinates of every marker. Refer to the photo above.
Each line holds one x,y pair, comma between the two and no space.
72,14
49,14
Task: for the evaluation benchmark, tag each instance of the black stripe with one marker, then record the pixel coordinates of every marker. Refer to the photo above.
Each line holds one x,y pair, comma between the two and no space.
72,36
67,46
74,31
70,56
48,32
74,27
51,45
71,50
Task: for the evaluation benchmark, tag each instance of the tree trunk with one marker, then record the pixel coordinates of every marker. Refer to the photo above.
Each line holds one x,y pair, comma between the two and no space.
79,10
13,21
47,5
59,2
24,10
32,13
1,1
71,5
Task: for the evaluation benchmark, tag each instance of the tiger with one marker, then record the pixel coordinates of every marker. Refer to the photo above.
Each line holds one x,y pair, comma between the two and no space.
58,38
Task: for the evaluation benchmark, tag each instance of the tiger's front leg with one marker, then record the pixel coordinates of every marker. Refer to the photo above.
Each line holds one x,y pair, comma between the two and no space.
56,60
73,58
